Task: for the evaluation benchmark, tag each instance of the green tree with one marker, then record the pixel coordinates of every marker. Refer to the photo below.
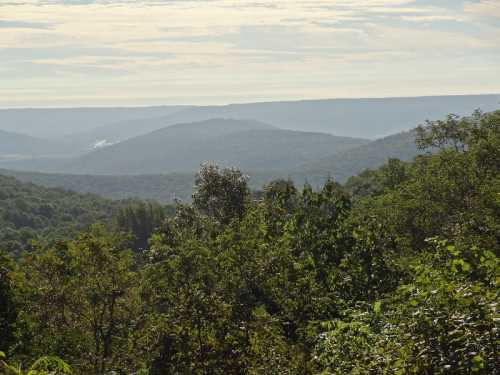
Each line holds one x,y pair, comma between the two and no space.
42,366
8,305
221,194
140,219
82,301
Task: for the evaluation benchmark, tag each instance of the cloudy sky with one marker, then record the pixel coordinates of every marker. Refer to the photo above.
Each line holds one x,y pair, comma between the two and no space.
108,52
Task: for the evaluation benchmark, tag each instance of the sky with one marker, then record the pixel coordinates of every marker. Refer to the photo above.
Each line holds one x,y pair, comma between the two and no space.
150,52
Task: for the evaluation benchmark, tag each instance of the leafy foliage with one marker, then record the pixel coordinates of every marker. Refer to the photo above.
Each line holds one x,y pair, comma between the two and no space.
140,219
8,306
29,212
221,195
81,297
42,366
395,273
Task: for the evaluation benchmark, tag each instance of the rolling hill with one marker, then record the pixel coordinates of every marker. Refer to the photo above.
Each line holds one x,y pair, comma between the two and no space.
345,164
58,123
29,212
365,118
161,187
246,144
167,187
19,146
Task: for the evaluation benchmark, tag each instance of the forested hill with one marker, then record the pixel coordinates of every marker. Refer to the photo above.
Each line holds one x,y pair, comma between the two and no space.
15,145
164,188
29,211
292,146
401,278
361,117
246,144
170,186
342,165
57,123
366,118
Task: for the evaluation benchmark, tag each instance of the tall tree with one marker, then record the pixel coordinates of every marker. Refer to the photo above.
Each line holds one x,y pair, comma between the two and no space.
8,306
221,193
83,302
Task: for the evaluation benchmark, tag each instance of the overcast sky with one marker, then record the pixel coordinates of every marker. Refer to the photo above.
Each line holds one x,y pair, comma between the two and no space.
108,52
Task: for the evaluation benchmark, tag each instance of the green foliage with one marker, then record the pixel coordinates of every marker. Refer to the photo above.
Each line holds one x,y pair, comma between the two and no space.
140,219
42,366
376,182
29,212
395,273
442,219
8,305
440,322
221,194
224,293
82,301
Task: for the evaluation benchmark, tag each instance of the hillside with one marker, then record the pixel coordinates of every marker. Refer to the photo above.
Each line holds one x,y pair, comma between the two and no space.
343,165
365,118
15,146
56,123
29,211
166,187
247,144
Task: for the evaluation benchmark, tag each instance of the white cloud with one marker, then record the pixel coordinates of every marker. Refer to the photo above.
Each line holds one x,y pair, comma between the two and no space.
211,51
483,8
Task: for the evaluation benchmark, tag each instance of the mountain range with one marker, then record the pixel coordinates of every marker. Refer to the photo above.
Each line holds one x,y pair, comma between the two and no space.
100,150
60,123
15,145
366,118
350,159
246,144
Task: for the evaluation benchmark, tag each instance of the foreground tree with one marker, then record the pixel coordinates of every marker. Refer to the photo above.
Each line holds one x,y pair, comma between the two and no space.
8,305
140,219
221,194
42,366
439,228
82,301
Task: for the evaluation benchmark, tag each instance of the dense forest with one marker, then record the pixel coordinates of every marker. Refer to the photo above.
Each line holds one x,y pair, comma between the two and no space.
29,212
32,215
394,272
312,165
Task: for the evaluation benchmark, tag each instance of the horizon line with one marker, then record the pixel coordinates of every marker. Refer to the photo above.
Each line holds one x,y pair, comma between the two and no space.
120,106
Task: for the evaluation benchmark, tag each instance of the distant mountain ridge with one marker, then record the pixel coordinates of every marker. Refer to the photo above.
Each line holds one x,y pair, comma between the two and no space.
15,145
366,118
166,187
58,123
342,165
171,154
246,144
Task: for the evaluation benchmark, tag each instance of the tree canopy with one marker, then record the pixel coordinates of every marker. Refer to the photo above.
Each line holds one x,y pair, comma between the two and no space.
396,272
